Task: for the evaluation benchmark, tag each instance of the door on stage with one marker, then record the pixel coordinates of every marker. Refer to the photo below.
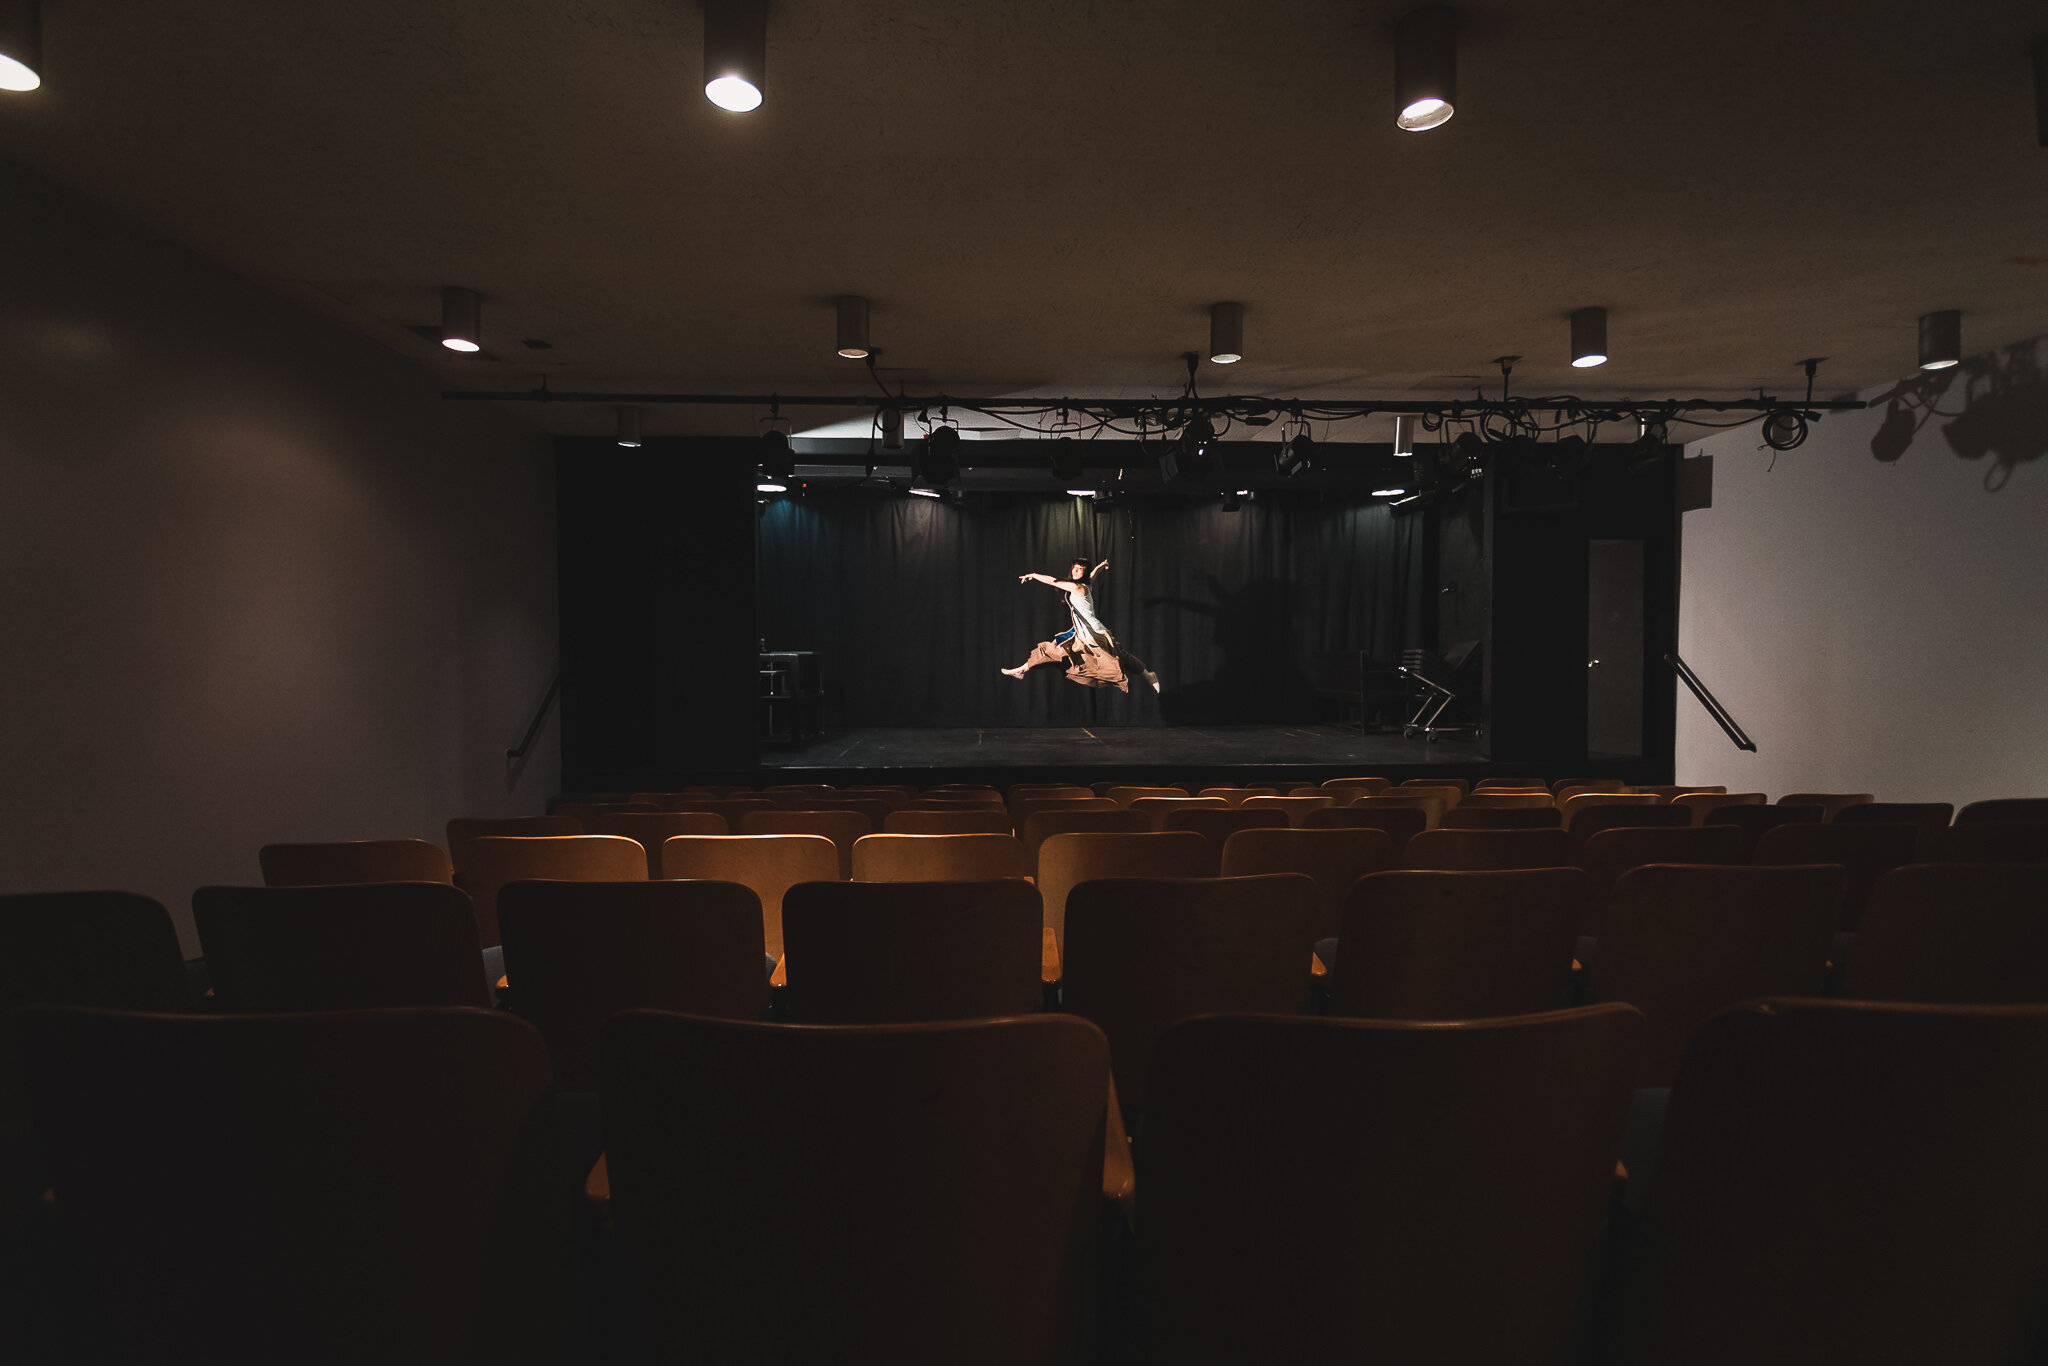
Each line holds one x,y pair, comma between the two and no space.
1614,649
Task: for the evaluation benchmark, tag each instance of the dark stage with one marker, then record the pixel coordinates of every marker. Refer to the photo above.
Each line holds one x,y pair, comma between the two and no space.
1112,749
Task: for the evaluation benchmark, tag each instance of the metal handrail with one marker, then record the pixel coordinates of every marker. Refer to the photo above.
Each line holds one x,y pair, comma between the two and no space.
533,731
1711,703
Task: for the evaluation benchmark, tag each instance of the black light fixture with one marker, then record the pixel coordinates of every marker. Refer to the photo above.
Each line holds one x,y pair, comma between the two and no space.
1589,337
890,420
21,44
1234,499
629,427
1941,339
735,53
1426,68
1226,333
1404,435
778,457
1192,453
1295,453
1468,452
462,319
1066,458
940,465
853,326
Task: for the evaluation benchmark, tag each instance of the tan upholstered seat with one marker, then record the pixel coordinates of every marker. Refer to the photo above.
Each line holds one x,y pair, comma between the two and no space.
1112,819
650,829
465,830
841,827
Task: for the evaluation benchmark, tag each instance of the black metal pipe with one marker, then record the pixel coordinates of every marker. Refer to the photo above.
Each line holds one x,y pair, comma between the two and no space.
533,731
1711,703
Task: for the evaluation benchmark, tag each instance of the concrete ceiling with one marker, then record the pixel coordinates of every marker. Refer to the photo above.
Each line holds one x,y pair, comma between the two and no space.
1045,195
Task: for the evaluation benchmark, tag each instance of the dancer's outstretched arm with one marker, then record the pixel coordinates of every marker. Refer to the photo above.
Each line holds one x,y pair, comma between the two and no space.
1049,581
1097,570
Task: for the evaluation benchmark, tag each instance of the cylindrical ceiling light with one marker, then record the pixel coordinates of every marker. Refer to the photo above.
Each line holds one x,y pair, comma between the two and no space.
1589,337
629,427
462,319
1941,339
735,53
1226,333
853,327
21,44
1426,68
1404,434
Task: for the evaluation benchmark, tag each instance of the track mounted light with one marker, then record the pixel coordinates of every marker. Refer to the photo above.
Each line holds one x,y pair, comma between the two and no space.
853,326
735,53
21,44
1941,339
629,427
1226,333
890,420
778,457
462,319
1066,458
1404,435
941,463
1295,453
1589,337
1426,68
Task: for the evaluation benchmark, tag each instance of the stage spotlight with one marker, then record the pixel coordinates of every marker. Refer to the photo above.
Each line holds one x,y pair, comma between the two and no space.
1648,447
1568,454
462,319
890,420
1226,333
1941,339
629,427
1389,493
1066,457
853,326
1426,68
771,488
778,457
1404,435
941,463
735,53
1294,454
1589,337
1192,454
927,493
21,45
1784,430
1468,452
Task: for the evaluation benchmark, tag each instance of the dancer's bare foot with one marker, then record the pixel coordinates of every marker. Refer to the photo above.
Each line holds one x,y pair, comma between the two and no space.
1014,673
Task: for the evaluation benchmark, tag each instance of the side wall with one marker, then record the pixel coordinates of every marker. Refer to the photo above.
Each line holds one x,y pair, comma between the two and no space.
1872,607
257,582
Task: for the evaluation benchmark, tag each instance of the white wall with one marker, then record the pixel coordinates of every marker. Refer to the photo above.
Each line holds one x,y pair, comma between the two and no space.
257,582
1879,625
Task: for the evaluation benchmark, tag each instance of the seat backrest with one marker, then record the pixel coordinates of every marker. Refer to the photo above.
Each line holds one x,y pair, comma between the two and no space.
1609,854
1894,1154
578,953
1511,785
1399,822
1867,851
1973,934
464,831
1670,791
1084,855
1462,785
1289,1217
674,801
890,795
1335,859
357,946
1466,816
2005,811
1567,788
650,828
321,865
1235,796
1992,842
841,827
1684,942
1218,826
1587,801
1143,954
768,864
732,810
1044,790
1432,805
802,1194
341,1186
1448,794
1589,821
971,821
1340,787
1021,812
895,952
1481,850
1491,800
108,950
939,858
875,809
498,859
1113,819
1704,804
583,813
1753,821
1453,946
1297,805
1157,809
1125,794
1828,802
1931,815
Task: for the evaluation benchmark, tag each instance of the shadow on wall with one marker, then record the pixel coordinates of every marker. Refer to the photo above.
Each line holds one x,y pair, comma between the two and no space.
1999,410
1261,680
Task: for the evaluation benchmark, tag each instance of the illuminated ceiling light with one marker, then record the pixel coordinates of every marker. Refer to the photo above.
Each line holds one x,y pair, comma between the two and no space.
928,493
853,327
1404,435
771,488
1589,337
1941,339
629,427
462,319
1226,333
1389,493
735,53
21,44
1426,68
1080,493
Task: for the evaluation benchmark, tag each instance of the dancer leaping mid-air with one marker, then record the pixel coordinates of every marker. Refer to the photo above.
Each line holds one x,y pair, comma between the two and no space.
1090,652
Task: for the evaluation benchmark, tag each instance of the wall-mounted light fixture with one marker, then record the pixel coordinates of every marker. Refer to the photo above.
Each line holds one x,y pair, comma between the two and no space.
462,319
1426,68
735,53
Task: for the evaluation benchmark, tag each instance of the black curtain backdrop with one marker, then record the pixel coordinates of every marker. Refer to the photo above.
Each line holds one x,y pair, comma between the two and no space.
913,604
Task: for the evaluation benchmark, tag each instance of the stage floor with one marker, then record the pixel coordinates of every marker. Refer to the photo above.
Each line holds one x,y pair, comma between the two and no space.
1110,747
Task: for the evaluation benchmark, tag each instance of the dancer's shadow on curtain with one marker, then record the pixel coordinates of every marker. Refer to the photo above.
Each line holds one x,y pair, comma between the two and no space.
1261,680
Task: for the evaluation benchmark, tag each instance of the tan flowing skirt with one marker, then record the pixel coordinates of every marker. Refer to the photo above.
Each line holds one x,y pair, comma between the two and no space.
1090,666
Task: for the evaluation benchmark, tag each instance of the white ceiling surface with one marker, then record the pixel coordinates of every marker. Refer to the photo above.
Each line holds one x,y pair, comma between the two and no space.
1043,196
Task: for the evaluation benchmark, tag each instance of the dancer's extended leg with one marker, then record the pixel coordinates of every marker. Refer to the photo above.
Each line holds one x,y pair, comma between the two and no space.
1045,653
